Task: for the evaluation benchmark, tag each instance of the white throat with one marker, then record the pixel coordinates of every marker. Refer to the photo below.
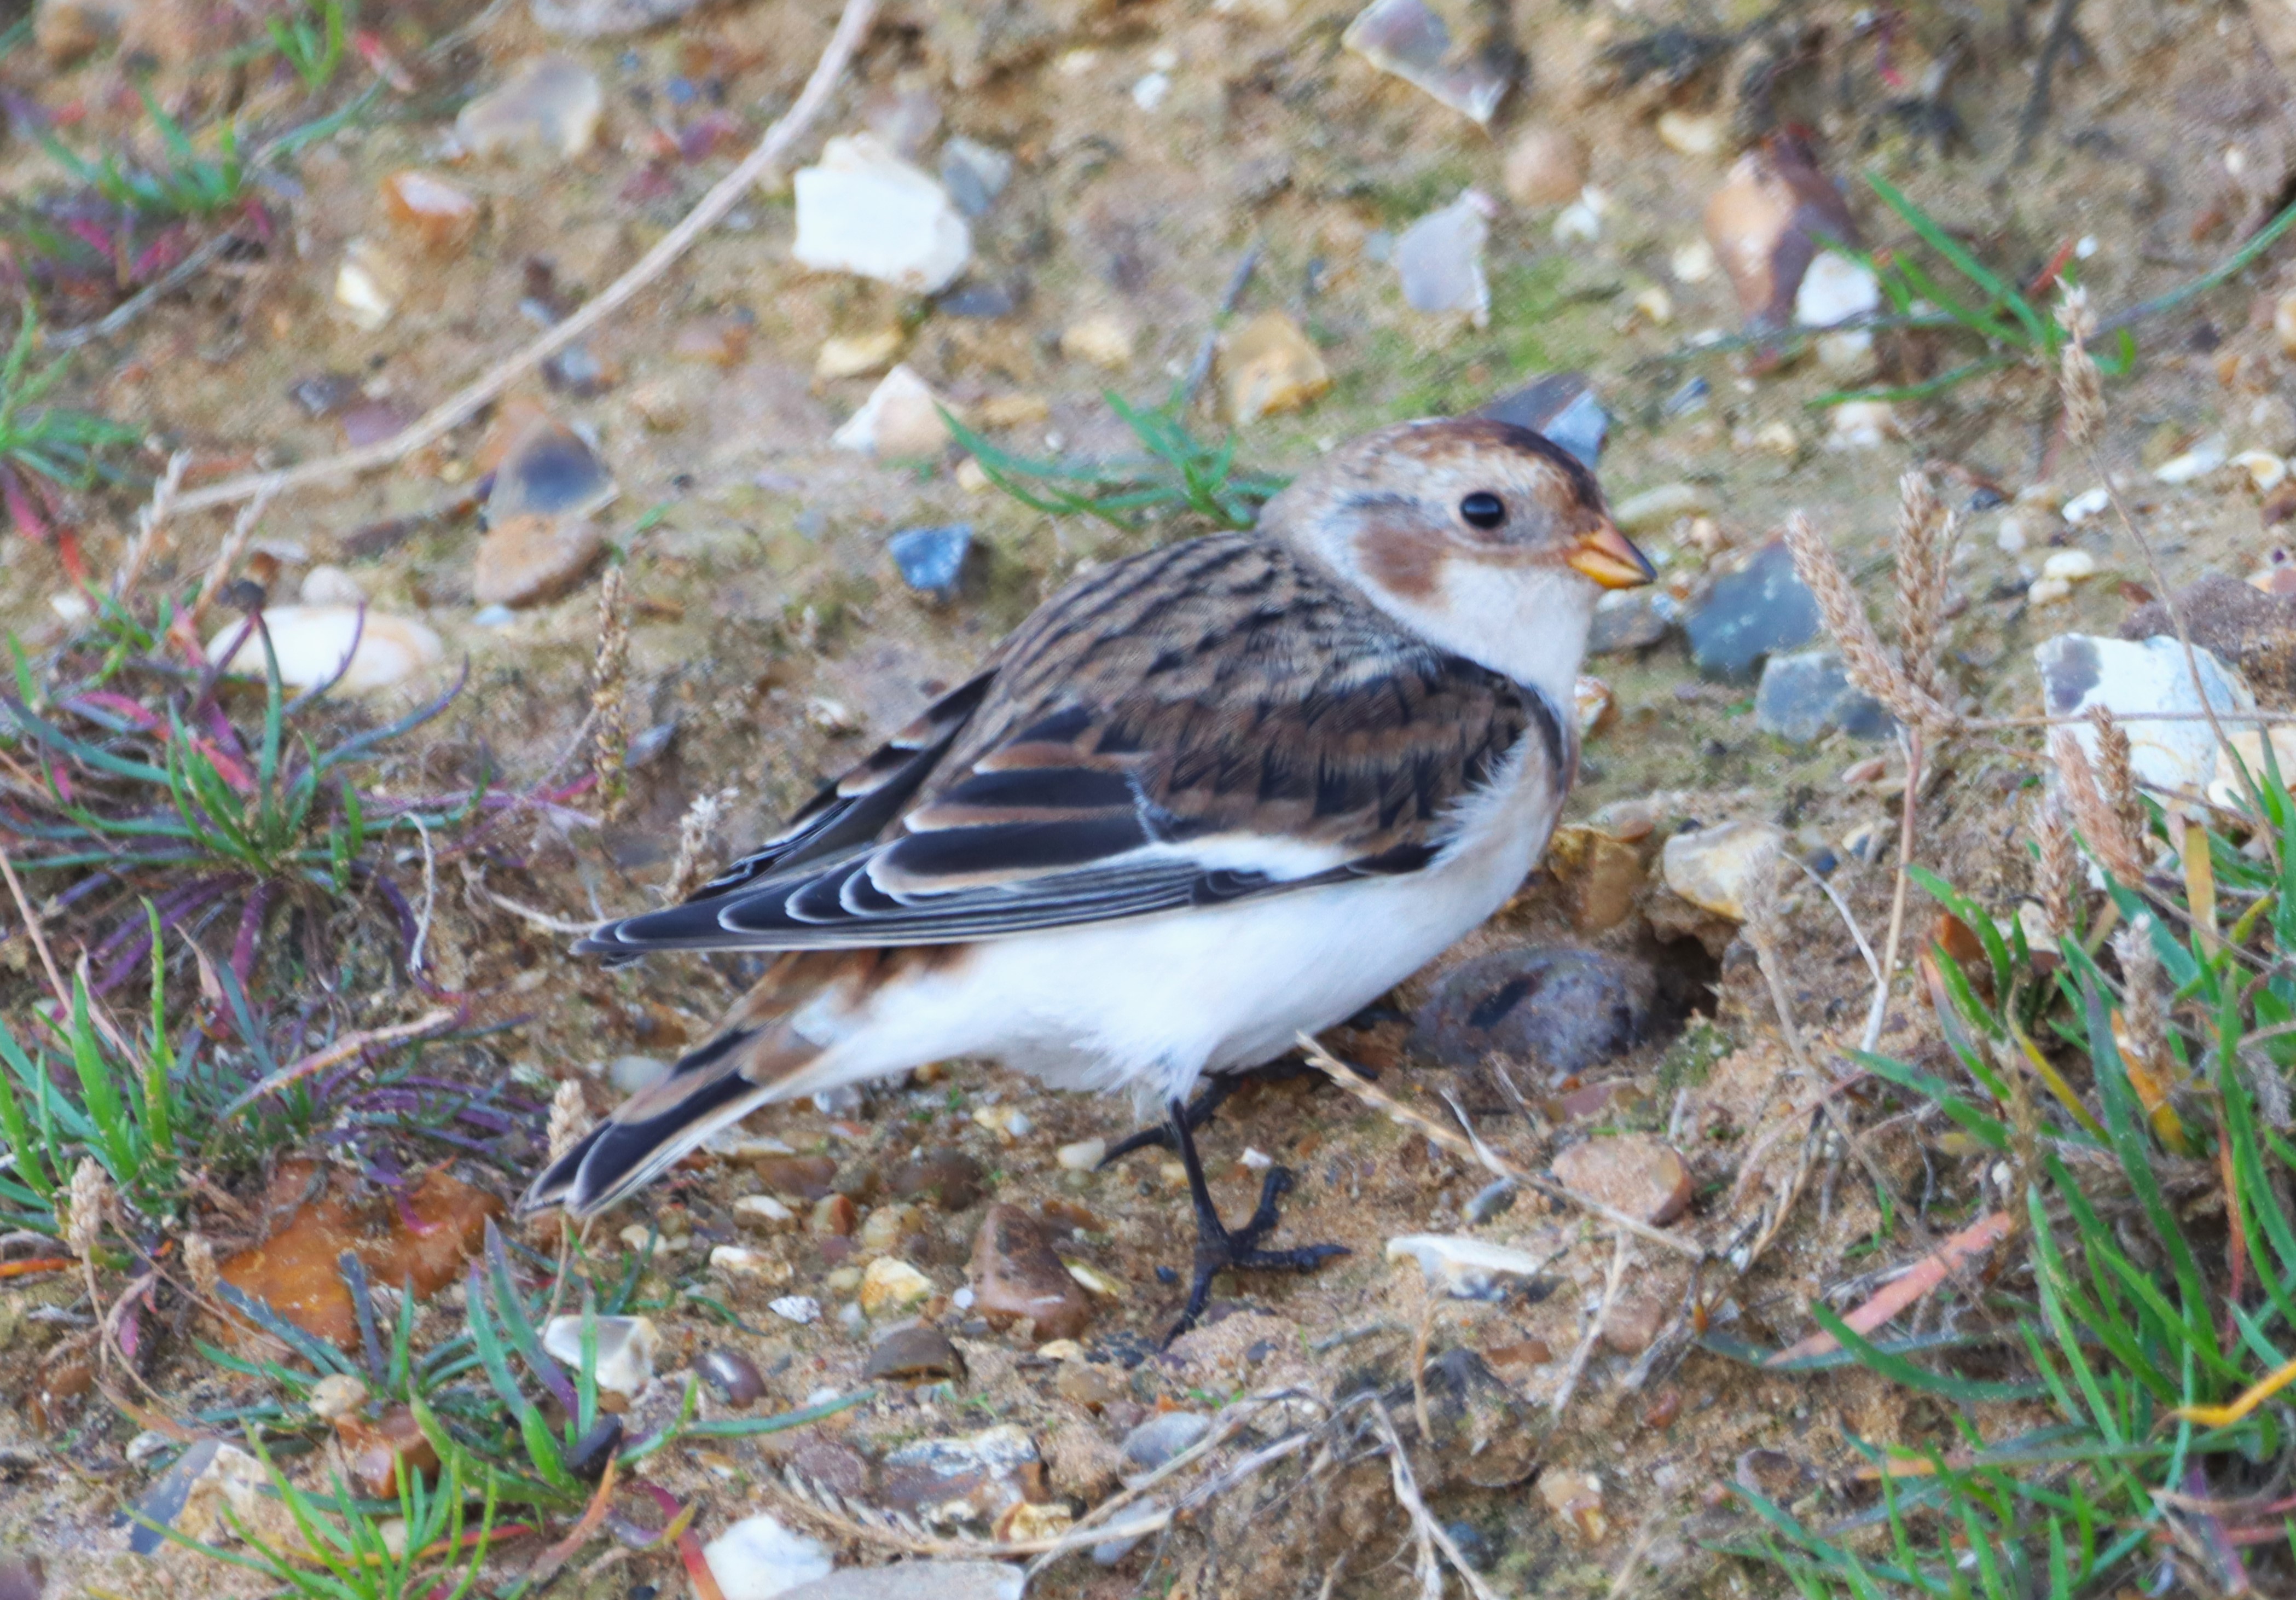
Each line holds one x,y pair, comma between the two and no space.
1528,623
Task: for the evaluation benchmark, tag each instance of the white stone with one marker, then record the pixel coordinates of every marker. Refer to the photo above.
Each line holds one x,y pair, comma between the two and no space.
1834,289
1860,425
1258,1161
625,1347
2072,565
800,1308
865,211
766,1211
891,1285
757,1559
744,1262
2088,503
368,285
2080,671
552,102
1581,221
331,585
1465,1268
2009,535
2049,591
2265,470
338,1394
1693,263
1711,867
900,418
1103,340
1083,1156
1152,89
312,641
2195,463
1847,357
1690,133
1440,258
920,1581
1094,1281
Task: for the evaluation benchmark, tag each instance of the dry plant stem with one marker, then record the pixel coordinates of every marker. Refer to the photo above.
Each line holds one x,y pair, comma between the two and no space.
1577,1370
235,545
1425,1527
39,937
150,522
852,27
1370,1094
1879,1011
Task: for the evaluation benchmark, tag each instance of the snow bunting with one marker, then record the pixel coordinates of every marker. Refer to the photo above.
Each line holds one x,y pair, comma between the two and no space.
1204,800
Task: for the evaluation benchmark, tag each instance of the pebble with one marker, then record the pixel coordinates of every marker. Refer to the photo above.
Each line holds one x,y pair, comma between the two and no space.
1764,223
1016,1275
1632,619
1689,133
1834,289
1593,704
2249,627
441,216
1750,613
932,560
950,1178
1105,340
635,1074
210,1479
1150,90
888,1224
548,470
1711,867
1807,695
526,560
834,1217
865,210
312,642
800,1308
369,285
1083,1156
2080,671
951,1482
380,1451
1094,1281
1576,1499
758,1559
1655,510
625,1347
1269,366
719,341
913,1354
891,1285
338,1394
1565,1009
605,19
739,1260
1408,38
1562,406
2072,565
1860,425
1545,166
1157,1440
1581,221
900,421
2264,471
1634,1173
858,355
733,1374
549,103
918,1581
2195,463
2088,503
1440,260
974,174
1466,1269
68,31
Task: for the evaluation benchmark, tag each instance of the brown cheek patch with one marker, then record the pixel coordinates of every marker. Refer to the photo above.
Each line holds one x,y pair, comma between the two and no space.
1406,563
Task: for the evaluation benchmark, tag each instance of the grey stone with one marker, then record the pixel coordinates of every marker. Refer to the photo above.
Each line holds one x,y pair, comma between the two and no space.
1564,1008
917,1580
632,1073
1157,1440
1562,406
1750,613
1806,695
932,560
1627,620
974,174
548,470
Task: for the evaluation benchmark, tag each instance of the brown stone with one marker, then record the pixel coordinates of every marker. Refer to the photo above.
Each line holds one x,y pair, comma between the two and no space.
533,557
950,1178
1082,1383
913,1354
832,1216
383,1447
1645,1305
712,341
436,213
807,1177
1082,1463
1546,166
2240,625
1016,1276
1633,1173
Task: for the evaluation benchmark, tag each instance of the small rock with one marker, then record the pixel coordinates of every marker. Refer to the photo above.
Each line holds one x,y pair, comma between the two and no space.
1689,133
380,1451
2088,504
900,421
1483,1432
758,1559
1546,166
2264,471
1645,1304
801,1309
1576,1499
549,105
336,1395
1439,258
865,211
1771,1473
733,1374
1081,1462
1593,704
1014,411
2195,463
605,19
857,355
1749,613
662,405
932,560
1083,1156
1162,1437
1016,1275
834,1217
1562,406
739,1260
2079,671
207,1479
1603,873
888,1224
1633,1173
625,1347
1632,619
918,1581
1807,695
369,285
1270,366
635,1074
1834,289
2070,565
1094,1281
2283,322
1408,38
1102,340
891,1285
1466,1269
528,560
577,371
1765,224
1655,510
806,1177
1711,867
441,216
974,1480
2251,629
1566,1010
950,1178
548,470
719,341
973,173
914,1354
1860,425
313,643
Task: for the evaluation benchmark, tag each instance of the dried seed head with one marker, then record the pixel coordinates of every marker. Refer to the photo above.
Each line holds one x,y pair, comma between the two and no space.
86,1203
2094,817
1926,535
2116,774
2054,868
1868,665
199,1265
695,831
569,1117
609,734
2077,375
2141,1008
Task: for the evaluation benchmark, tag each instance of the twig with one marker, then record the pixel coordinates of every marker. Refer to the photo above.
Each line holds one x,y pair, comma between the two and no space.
1364,1090
38,935
414,954
2037,100
1200,367
227,554
149,523
475,884
852,26
1579,1356
340,1051
1425,1527
1879,1011
141,301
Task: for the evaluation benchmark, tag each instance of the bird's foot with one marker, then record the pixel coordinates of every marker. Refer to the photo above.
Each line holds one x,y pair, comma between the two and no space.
1208,1101
1220,1249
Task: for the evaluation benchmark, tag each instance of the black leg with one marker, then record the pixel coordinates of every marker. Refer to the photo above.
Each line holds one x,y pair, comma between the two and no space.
1209,1099
1217,1248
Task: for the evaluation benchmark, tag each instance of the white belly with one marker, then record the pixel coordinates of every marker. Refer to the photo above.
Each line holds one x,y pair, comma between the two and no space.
1151,1002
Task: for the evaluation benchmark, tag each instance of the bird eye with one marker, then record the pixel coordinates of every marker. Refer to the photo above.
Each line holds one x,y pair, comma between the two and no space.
1483,509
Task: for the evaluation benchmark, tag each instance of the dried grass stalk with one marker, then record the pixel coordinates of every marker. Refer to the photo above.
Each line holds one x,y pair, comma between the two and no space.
2141,1009
2096,819
2057,862
1867,663
2077,375
569,1117
2116,774
610,733
695,831
1927,532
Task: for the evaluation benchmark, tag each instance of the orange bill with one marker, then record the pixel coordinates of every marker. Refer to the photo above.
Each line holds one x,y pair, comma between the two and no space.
1610,558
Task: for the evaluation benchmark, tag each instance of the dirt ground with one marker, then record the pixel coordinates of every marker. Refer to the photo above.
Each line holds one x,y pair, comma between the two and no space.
772,641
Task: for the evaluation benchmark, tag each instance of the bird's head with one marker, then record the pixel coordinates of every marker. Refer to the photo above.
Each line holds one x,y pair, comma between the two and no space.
1483,537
